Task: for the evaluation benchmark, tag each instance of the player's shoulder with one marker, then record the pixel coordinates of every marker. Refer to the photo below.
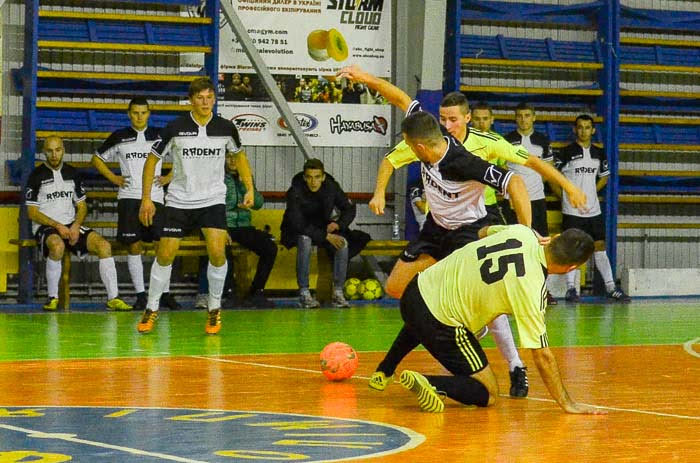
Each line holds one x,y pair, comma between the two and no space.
152,133
40,173
569,151
180,126
484,136
69,172
539,138
597,151
219,126
513,137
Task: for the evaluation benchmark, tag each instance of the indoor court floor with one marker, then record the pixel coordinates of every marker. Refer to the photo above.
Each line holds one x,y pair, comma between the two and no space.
84,386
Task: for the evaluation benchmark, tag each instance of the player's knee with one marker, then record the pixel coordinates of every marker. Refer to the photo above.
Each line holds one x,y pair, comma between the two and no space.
395,286
104,249
56,247
135,248
599,245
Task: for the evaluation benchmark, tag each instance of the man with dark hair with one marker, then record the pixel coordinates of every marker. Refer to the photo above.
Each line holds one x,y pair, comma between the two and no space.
130,146
446,304
309,220
454,223
198,143
586,165
55,201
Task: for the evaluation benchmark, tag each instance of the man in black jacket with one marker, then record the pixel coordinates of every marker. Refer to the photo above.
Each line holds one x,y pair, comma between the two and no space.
309,220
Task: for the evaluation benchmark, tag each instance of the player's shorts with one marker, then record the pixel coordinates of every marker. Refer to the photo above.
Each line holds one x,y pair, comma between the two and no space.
594,226
78,249
440,242
129,227
455,347
539,215
178,223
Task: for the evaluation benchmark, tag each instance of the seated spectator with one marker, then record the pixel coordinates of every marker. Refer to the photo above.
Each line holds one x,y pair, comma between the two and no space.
240,89
308,220
56,205
241,231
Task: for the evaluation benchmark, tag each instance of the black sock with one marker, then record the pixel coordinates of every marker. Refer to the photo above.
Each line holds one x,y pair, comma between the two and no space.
404,343
464,389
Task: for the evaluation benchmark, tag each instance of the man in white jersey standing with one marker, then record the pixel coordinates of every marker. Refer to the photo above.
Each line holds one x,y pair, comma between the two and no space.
586,165
130,146
55,201
537,144
198,143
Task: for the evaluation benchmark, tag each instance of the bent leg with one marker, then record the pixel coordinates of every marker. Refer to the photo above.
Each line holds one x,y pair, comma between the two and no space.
96,244
403,272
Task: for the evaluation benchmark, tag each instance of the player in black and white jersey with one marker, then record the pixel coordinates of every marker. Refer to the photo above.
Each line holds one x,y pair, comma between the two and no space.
55,201
198,143
131,146
586,166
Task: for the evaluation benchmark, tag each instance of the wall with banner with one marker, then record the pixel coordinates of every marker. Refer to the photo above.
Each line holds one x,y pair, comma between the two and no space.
303,44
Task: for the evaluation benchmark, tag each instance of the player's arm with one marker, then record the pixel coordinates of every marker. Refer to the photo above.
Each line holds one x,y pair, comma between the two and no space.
246,177
80,214
35,215
106,172
549,371
601,183
391,92
577,197
148,209
384,173
520,200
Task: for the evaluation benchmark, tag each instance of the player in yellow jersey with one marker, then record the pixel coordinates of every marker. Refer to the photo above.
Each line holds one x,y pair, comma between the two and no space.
503,273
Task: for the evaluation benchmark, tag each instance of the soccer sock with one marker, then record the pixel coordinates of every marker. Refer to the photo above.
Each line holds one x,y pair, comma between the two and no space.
571,279
133,261
404,343
464,389
108,274
53,275
217,279
500,330
160,275
602,263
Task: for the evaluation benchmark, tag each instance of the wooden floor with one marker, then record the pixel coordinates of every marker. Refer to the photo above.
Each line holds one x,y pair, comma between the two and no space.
650,389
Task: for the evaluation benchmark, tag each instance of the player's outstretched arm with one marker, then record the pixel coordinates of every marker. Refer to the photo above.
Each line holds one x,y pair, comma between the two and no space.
391,92
520,200
384,173
577,197
549,371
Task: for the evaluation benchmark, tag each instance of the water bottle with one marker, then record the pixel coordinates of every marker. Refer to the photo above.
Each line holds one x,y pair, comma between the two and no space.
395,227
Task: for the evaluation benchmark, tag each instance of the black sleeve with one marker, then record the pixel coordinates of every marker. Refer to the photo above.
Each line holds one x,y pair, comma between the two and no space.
31,191
561,157
162,144
106,149
79,193
462,168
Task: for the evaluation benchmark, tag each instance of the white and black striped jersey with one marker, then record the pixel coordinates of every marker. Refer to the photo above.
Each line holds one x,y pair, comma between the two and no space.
583,168
131,149
55,192
537,144
198,154
454,185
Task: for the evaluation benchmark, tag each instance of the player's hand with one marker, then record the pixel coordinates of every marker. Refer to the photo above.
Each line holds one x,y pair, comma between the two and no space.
577,198
248,199
583,409
336,241
543,240
63,231
146,212
331,227
158,181
121,181
73,234
377,203
353,73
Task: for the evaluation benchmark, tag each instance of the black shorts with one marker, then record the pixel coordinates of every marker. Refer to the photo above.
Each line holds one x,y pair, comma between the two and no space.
178,223
539,215
594,226
129,227
455,347
79,249
440,242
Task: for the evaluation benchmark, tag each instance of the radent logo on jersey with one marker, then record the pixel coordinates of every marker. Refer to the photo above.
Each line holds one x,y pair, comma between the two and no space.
200,152
136,155
493,176
378,124
250,123
364,14
307,122
430,182
59,195
585,170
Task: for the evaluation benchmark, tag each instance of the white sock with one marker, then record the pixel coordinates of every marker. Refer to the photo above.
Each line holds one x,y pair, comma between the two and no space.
53,275
160,276
217,278
571,279
500,329
602,263
108,274
166,289
133,261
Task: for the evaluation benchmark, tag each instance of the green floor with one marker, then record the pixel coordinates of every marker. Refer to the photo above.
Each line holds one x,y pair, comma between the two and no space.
25,336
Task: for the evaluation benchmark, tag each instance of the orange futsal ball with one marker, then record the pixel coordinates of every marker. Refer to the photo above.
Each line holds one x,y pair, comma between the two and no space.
338,361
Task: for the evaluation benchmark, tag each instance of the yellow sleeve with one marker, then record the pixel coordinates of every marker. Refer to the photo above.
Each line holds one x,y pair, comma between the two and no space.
493,229
502,149
401,155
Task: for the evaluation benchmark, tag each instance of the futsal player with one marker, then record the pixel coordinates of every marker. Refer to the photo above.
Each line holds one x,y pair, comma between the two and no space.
447,303
56,205
586,165
130,146
198,143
